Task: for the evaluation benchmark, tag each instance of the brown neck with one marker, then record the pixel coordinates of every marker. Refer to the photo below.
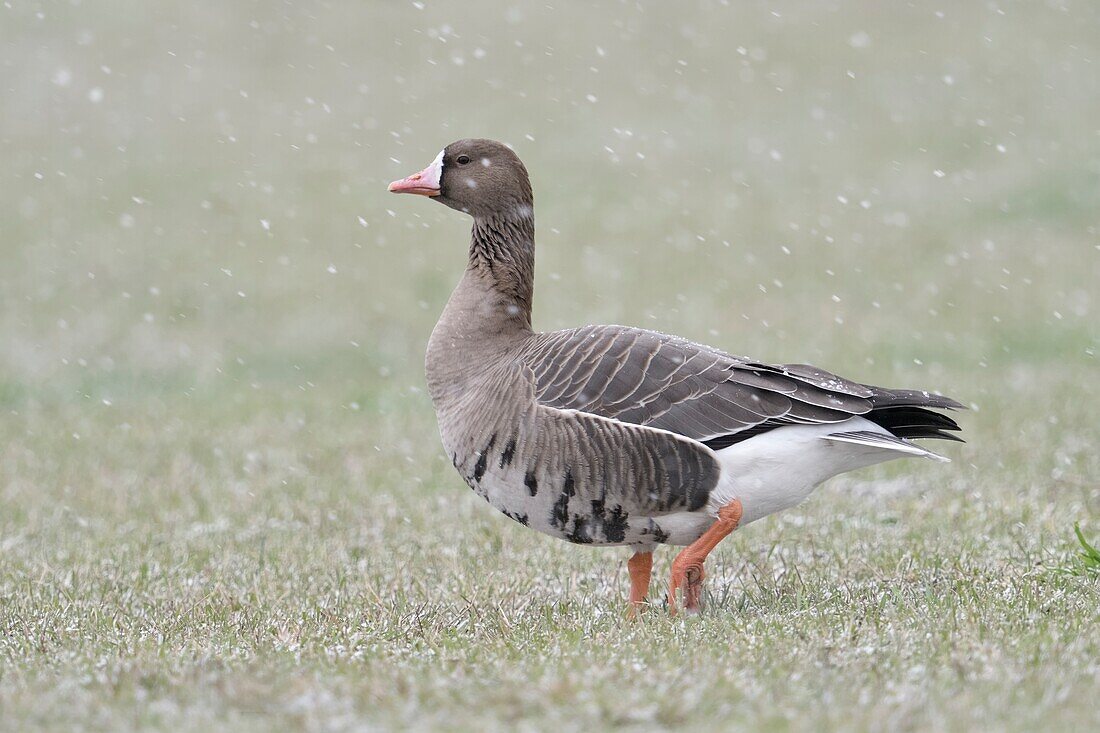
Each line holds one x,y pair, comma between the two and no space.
489,312
502,254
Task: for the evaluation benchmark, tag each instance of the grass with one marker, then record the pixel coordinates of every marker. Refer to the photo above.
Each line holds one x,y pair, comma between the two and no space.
222,500
1088,559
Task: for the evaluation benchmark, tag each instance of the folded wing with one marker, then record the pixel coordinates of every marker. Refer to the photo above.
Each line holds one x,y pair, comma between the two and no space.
648,378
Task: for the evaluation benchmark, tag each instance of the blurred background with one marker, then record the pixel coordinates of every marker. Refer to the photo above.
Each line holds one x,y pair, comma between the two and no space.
193,186
213,316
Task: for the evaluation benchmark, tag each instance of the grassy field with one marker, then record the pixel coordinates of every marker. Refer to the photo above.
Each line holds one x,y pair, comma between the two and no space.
223,504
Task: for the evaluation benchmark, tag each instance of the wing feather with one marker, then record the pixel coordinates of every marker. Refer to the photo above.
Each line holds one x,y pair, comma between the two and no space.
648,378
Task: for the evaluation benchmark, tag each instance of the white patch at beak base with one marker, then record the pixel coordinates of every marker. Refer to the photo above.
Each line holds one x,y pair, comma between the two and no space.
434,172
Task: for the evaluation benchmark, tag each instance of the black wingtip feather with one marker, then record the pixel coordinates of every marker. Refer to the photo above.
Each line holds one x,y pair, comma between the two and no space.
909,421
925,433
908,417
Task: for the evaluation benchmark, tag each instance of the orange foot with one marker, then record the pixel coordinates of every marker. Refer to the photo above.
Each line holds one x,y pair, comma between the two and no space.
687,568
640,566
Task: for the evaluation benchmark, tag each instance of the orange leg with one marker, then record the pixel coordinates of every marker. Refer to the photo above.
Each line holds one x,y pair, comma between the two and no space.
640,565
687,568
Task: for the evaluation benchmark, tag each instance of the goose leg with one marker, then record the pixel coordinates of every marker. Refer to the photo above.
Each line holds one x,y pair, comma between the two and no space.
687,568
640,566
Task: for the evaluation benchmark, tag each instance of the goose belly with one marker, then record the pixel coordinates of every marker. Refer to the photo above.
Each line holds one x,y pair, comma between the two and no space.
551,510
767,473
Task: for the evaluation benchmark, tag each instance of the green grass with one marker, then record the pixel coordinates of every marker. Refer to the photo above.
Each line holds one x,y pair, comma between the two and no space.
227,511
1088,559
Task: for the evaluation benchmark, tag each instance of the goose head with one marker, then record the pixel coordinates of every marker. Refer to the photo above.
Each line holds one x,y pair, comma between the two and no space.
483,178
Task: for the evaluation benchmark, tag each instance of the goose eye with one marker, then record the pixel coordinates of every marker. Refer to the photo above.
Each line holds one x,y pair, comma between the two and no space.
462,159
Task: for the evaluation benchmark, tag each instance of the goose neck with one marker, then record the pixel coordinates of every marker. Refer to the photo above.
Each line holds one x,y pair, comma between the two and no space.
502,256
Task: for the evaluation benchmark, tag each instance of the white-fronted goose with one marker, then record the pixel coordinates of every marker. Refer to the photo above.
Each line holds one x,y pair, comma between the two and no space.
611,435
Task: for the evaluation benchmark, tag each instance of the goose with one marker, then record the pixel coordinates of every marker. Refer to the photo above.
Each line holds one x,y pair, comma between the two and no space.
620,436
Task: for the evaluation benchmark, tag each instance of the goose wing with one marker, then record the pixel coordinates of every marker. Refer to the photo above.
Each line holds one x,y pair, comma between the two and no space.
652,379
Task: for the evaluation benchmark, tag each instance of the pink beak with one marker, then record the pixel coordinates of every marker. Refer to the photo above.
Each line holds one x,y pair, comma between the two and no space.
424,183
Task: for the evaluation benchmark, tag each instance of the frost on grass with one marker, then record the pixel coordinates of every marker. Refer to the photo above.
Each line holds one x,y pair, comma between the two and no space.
223,501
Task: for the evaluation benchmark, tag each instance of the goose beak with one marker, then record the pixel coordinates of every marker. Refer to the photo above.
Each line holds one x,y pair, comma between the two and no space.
424,183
